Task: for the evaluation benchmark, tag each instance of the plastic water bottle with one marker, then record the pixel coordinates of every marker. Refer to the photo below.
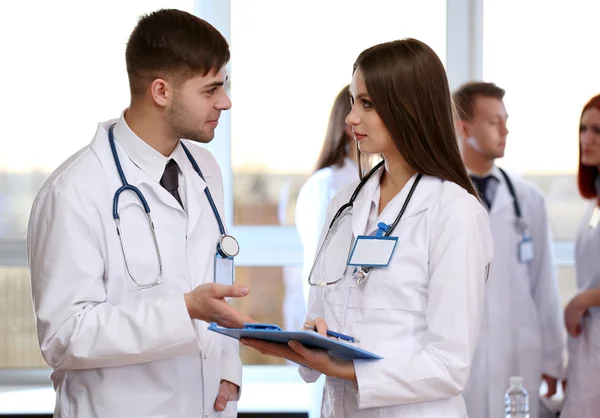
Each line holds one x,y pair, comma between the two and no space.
516,399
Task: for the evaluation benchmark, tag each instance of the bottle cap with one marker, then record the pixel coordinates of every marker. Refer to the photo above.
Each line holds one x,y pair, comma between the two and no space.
516,381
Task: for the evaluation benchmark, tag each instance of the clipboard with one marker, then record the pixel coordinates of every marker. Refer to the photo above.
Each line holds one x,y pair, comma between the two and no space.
310,339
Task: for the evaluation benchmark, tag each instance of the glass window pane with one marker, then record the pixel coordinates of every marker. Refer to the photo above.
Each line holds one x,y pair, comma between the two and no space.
19,344
67,74
549,74
289,61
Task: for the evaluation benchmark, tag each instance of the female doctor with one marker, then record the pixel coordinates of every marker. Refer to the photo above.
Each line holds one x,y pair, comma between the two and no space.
582,314
420,309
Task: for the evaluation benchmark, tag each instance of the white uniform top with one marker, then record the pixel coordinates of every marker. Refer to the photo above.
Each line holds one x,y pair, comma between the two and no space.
311,208
119,351
422,313
522,332
583,389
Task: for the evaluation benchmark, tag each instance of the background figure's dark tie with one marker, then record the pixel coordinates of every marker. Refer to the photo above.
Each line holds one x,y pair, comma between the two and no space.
481,184
170,180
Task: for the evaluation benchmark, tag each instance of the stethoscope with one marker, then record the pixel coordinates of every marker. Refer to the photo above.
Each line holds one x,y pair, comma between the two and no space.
227,246
360,273
520,224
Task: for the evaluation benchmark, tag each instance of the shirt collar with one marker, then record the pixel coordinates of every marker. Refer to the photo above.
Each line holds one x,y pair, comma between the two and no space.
140,153
494,172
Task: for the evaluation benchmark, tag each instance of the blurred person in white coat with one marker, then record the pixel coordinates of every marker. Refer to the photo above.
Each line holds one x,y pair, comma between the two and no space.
126,244
582,313
522,331
421,309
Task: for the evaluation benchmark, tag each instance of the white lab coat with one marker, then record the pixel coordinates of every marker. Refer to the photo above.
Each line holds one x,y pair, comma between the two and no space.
522,332
119,351
311,208
583,390
422,313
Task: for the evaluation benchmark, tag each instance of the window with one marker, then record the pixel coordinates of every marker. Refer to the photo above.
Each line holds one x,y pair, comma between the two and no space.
67,73
549,73
289,61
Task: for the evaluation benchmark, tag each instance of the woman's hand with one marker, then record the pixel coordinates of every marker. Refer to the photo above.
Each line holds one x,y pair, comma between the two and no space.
315,359
574,313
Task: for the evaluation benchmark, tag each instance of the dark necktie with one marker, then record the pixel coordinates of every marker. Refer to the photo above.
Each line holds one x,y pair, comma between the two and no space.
170,180
481,184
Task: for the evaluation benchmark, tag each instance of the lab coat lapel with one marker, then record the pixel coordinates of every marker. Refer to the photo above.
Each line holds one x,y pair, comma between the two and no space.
502,199
133,174
420,200
194,185
362,204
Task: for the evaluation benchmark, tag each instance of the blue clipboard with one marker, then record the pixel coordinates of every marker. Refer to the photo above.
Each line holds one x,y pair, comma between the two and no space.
310,339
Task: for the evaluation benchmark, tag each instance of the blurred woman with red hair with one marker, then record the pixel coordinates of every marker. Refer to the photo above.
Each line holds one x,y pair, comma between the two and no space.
582,314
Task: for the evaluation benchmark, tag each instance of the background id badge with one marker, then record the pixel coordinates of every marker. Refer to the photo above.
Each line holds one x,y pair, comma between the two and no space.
370,251
526,250
224,270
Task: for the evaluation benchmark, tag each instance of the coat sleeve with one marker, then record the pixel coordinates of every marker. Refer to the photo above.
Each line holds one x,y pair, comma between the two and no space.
460,253
546,296
77,328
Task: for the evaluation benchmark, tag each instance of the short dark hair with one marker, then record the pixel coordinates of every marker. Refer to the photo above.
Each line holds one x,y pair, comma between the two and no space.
172,44
464,97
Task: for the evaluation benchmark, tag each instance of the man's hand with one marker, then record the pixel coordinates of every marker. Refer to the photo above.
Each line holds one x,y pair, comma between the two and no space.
207,303
228,392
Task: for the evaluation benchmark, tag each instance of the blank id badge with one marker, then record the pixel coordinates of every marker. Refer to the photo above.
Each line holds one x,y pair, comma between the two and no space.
370,251
224,270
526,250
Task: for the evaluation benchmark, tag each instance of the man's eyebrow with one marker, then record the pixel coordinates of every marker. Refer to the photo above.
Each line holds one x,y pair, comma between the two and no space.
216,83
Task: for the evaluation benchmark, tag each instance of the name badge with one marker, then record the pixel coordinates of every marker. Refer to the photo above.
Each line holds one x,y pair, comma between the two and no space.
526,250
370,251
224,270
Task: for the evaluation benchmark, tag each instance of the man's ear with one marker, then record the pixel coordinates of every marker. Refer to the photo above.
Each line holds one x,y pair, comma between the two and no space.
161,92
462,129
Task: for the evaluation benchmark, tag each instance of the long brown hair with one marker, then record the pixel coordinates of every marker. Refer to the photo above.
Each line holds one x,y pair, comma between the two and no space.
586,175
407,84
335,147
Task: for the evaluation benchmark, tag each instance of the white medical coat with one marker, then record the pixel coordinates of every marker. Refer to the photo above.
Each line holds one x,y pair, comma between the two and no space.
422,313
522,332
119,351
582,399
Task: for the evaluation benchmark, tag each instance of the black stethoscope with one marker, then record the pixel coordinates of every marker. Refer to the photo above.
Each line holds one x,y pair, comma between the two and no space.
520,224
359,273
227,246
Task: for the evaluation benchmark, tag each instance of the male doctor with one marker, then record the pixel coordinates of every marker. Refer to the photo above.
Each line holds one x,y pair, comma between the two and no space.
123,318
521,331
